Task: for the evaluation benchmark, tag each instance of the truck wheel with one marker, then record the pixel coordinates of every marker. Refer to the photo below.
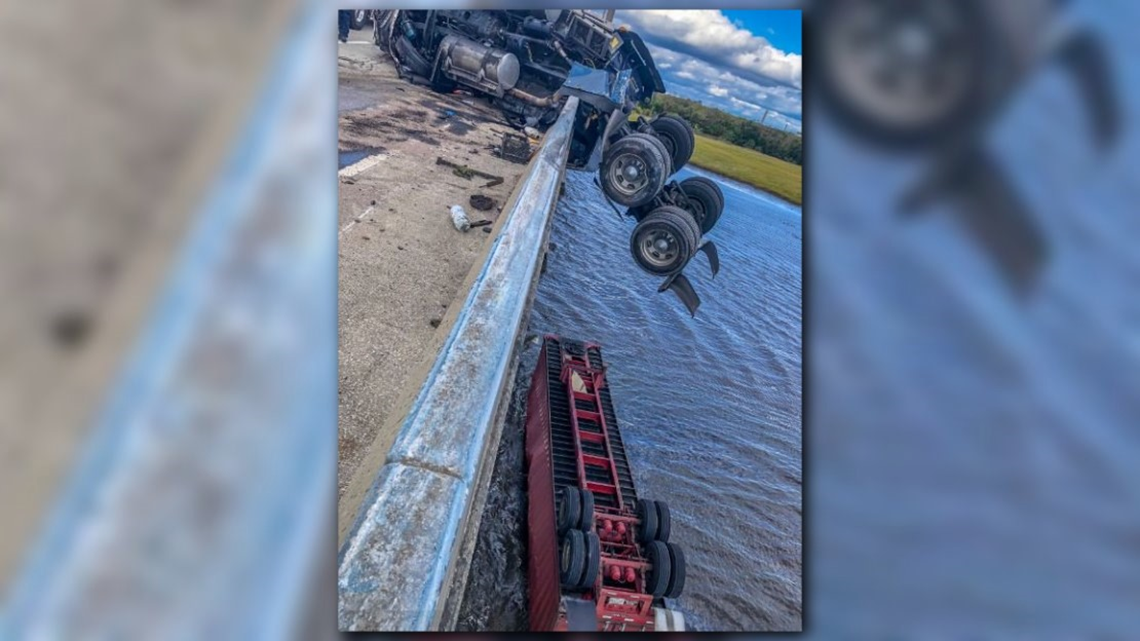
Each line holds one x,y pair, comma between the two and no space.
677,571
665,240
359,17
706,199
411,58
664,521
657,579
647,514
907,76
569,509
677,136
586,523
634,170
572,560
669,168
593,561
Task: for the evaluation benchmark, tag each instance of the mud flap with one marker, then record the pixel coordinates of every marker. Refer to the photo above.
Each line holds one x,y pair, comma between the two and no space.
684,290
581,615
1083,55
710,251
991,211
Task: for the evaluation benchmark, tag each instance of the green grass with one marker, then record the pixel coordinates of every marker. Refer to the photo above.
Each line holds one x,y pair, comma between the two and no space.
750,167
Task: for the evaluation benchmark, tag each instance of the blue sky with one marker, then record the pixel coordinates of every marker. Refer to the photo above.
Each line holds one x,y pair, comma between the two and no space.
781,28
748,63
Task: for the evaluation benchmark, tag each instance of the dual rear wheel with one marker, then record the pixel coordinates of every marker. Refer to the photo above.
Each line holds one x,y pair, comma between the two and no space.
666,576
580,557
664,241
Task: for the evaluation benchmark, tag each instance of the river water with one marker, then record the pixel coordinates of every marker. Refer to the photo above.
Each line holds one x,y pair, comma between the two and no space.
710,407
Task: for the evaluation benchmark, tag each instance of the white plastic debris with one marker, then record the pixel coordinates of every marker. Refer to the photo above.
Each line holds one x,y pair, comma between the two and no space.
459,218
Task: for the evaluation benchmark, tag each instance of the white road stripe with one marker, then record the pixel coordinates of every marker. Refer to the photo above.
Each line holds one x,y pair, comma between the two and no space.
362,165
355,220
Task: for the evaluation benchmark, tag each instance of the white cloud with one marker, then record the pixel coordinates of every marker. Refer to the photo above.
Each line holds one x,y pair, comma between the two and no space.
695,78
712,37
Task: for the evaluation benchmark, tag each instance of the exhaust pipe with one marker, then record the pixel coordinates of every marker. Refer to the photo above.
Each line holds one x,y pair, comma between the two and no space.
549,101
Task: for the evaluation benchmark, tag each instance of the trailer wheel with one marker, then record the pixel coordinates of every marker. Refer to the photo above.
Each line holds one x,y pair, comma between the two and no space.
706,199
411,58
647,514
677,571
665,240
586,523
664,521
572,559
593,561
634,170
657,579
675,132
569,509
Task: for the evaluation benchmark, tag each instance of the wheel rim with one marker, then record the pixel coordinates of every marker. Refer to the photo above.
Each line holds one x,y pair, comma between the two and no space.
659,247
565,556
628,174
909,66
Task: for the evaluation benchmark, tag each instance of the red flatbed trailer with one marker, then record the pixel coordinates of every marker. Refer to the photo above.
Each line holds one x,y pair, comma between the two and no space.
599,556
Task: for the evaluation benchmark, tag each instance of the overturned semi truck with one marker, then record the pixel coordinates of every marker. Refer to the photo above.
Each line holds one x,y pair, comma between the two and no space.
527,62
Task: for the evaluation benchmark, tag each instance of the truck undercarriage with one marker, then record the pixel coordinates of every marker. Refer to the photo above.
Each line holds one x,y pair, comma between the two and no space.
527,62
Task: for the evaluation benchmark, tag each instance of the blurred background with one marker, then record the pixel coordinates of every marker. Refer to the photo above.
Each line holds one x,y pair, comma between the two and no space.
168,344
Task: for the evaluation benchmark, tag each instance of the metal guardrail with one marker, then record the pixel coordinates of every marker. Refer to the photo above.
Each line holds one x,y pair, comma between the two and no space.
401,554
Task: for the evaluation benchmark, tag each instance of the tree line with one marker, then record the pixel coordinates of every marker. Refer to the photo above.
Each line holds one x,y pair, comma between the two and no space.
739,131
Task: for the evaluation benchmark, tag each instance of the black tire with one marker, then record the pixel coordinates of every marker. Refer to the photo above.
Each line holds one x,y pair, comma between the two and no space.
676,571
677,136
569,509
669,168
660,572
868,98
593,561
572,559
411,58
707,200
665,240
664,521
586,523
634,169
647,514
359,17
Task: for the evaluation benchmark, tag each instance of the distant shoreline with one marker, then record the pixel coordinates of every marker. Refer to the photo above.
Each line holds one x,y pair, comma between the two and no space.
775,176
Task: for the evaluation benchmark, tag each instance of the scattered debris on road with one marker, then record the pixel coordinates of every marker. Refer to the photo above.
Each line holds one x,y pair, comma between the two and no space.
463,171
459,218
515,148
481,202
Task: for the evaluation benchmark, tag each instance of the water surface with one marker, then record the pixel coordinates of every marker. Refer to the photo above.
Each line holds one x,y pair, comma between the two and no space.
710,407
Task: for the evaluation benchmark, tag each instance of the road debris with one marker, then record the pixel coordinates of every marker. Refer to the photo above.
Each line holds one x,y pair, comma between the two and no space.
481,202
463,171
481,223
459,218
515,148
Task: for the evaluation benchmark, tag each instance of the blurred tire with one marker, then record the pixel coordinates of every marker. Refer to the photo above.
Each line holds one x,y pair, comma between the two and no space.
903,74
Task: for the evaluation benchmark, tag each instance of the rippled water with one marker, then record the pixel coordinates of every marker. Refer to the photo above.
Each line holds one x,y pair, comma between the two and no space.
710,407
